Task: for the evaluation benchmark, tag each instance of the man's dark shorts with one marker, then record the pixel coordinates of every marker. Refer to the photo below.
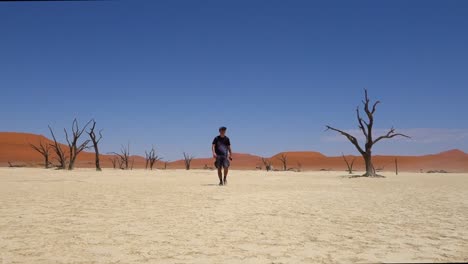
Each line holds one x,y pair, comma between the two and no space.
222,162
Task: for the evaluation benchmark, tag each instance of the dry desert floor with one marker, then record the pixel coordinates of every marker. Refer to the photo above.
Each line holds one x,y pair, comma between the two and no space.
177,216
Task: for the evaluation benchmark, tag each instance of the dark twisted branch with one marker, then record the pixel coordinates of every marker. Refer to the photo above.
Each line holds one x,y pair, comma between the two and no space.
61,157
95,140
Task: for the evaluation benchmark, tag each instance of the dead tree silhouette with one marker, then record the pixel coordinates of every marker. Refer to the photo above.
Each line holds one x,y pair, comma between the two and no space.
73,147
366,127
44,150
95,140
284,161
267,163
349,165
151,158
124,157
188,160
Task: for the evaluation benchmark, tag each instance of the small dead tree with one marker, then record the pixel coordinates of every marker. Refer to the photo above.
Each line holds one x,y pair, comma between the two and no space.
188,160
299,166
267,163
124,157
396,166
284,161
350,165
73,146
95,140
165,164
151,158
366,127
114,160
44,150
60,154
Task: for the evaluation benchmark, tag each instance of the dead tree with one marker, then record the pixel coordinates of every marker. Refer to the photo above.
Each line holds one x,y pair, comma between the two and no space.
165,164
95,140
284,161
348,164
124,157
114,160
151,158
366,127
188,160
267,163
73,147
299,166
44,150
60,154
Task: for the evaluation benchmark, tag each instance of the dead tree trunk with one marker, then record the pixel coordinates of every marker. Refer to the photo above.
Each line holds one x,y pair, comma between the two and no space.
95,140
348,164
366,127
284,161
396,166
61,157
188,160
44,150
267,164
151,158
73,146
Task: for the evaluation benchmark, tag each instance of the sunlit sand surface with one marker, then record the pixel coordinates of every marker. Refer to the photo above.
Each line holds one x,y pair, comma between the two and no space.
178,216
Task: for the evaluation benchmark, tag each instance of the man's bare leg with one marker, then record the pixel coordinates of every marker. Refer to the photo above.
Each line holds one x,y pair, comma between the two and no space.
220,176
226,170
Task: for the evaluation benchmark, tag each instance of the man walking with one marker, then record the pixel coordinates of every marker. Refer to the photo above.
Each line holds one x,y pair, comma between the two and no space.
222,153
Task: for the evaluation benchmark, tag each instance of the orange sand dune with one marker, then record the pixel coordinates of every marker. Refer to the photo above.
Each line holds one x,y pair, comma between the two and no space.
14,148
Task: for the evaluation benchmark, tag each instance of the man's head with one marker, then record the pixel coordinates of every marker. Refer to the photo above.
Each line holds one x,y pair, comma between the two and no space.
222,131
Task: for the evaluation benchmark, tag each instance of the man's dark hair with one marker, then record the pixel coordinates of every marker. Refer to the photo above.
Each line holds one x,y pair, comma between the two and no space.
223,128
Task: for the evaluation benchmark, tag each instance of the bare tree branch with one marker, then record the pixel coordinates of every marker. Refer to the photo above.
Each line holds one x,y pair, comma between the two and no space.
350,138
390,134
61,157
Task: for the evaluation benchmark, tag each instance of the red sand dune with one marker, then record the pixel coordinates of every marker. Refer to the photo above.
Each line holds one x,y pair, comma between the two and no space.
15,148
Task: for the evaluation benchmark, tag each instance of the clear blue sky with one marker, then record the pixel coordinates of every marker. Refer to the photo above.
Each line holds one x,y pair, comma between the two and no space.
169,73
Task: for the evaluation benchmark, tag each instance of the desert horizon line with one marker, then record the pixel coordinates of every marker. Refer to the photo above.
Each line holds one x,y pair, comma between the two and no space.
316,151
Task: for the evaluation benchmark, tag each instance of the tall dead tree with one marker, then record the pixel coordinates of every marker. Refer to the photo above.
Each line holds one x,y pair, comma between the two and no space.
60,154
44,150
350,165
267,163
73,147
124,157
151,158
188,160
366,127
284,161
95,140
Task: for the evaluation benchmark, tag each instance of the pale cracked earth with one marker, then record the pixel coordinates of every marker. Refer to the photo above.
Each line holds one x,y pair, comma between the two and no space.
177,216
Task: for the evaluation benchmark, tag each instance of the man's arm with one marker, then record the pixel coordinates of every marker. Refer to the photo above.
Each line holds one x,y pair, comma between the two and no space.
230,152
213,146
